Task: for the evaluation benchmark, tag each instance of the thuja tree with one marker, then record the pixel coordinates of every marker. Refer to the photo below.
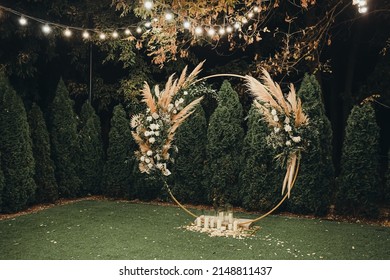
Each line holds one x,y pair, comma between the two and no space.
2,181
224,142
358,184
190,140
311,193
47,189
260,177
91,151
65,143
120,159
17,159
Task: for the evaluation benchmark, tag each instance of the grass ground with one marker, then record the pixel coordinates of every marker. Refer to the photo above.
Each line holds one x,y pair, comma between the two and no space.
123,230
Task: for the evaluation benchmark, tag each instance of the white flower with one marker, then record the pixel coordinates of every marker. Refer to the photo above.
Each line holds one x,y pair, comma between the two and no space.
166,172
149,118
151,133
156,127
157,133
170,107
150,165
288,143
287,128
181,100
273,112
147,160
185,92
287,120
177,103
296,139
175,111
155,116
276,119
157,157
147,133
159,166
276,129
135,121
149,153
142,158
152,140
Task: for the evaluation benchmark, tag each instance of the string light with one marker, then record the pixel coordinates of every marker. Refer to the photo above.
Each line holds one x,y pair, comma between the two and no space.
86,34
187,24
168,16
221,31
148,24
115,35
127,31
67,32
46,29
148,4
139,30
229,29
244,20
250,15
198,30
362,6
102,36
211,32
237,25
22,21
256,9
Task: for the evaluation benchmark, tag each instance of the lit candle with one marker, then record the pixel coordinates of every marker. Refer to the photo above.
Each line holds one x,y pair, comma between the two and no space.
219,223
198,222
220,215
212,223
230,226
206,222
230,218
235,225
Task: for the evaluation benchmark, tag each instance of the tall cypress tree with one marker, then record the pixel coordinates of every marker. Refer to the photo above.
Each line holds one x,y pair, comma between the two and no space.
47,189
120,157
260,176
190,140
358,183
16,148
65,143
91,151
2,181
224,142
314,184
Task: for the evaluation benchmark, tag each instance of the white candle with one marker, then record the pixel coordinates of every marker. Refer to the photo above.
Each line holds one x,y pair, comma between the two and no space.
230,226
212,223
230,218
206,222
220,215
198,222
219,223
235,225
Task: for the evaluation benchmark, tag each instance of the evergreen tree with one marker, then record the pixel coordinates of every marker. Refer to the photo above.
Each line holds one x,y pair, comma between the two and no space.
47,189
17,159
387,186
2,181
224,142
120,159
312,191
65,143
260,176
190,140
91,151
358,183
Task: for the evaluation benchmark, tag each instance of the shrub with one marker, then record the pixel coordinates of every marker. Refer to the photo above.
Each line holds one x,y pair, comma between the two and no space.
17,159
224,142
358,183
65,143
47,189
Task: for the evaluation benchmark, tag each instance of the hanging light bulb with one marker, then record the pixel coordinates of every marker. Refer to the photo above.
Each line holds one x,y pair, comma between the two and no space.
22,21
244,20
86,34
363,9
168,16
250,15
148,24
139,30
229,29
221,31
102,36
67,32
186,24
127,31
211,31
198,30
46,29
115,34
255,9
237,25
148,4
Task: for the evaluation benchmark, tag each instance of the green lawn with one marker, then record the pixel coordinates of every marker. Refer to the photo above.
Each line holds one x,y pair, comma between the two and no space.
122,230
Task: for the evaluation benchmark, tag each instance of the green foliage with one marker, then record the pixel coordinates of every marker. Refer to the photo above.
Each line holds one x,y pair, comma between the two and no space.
2,182
120,159
65,143
224,142
311,193
387,186
17,161
260,176
358,183
187,172
91,151
47,189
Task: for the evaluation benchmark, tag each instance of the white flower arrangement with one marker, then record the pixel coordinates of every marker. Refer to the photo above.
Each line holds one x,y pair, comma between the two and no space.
154,130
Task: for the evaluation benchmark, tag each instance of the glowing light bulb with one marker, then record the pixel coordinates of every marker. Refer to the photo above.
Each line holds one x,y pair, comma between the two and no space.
237,25
102,36
155,19
23,21
148,4
250,15
363,9
115,35
168,16
255,9
127,31
148,24
67,32
46,29
211,32
229,29
138,30
187,24
86,34
244,20
198,30
221,31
